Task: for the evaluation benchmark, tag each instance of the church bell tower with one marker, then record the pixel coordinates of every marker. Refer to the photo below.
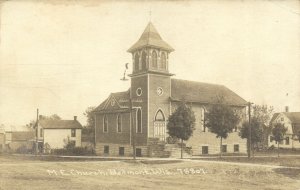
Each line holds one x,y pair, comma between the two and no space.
151,82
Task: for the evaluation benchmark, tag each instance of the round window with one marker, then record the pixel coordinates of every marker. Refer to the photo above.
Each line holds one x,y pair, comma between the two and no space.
139,91
159,91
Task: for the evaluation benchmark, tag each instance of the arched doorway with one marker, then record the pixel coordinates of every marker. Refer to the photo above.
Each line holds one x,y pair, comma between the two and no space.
160,125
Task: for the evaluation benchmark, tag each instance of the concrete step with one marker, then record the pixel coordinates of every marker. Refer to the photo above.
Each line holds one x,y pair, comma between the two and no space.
176,151
161,149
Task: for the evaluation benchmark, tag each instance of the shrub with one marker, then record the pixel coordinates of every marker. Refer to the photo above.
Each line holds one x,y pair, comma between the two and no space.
23,150
74,151
70,145
71,150
59,151
271,147
189,150
172,140
82,151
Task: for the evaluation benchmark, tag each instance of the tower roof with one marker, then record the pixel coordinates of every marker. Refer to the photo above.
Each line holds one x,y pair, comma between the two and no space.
151,38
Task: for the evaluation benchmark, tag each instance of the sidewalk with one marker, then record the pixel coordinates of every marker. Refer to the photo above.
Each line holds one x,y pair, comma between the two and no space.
244,156
156,158
138,159
102,158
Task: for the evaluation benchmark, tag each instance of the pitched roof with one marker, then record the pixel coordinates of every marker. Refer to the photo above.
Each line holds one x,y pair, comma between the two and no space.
182,89
274,117
203,92
121,98
151,38
22,135
60,124
293,116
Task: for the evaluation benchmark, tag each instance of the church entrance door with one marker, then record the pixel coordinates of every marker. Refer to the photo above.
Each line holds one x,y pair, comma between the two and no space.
160,125
160,130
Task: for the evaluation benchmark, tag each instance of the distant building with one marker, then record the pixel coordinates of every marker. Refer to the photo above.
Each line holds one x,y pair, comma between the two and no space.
15,140
290,120
155,95
2,139
57,133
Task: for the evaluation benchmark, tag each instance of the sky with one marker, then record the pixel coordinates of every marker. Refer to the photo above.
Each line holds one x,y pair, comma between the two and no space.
64,56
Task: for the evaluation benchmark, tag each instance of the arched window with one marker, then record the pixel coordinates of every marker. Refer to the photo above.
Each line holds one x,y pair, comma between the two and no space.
159,116
144,58
163,61
154,59
119,123
136,62
105,124
139,121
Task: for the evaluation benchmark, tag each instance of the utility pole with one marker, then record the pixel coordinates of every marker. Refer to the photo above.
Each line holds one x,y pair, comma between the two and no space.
249,137
131,126
36,131
130,113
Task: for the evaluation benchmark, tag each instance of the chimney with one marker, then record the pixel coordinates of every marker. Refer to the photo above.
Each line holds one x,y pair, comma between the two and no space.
75,118
286,108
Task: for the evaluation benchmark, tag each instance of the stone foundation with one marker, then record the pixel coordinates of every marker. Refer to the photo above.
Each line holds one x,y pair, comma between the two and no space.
215,148
156,148
114,149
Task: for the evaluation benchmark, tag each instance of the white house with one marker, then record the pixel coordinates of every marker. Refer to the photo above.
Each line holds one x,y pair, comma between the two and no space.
57,133
290,120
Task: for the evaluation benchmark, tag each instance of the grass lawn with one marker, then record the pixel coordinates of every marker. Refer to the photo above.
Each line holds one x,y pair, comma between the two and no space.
288,161
25,173
274,152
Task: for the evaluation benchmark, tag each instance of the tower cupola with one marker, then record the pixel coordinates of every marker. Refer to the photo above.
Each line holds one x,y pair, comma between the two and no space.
150,52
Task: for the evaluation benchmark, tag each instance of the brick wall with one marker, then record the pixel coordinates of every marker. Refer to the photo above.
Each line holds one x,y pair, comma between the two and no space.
201,138
140,102
114,149
158,102
112,136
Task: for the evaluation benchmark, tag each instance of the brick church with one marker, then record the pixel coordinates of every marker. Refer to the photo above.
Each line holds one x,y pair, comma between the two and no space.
154,96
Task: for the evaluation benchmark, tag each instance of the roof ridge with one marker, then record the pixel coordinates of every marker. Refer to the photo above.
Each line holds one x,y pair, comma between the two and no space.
149,32
203,92
120,92
54,120
199,82
287,112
